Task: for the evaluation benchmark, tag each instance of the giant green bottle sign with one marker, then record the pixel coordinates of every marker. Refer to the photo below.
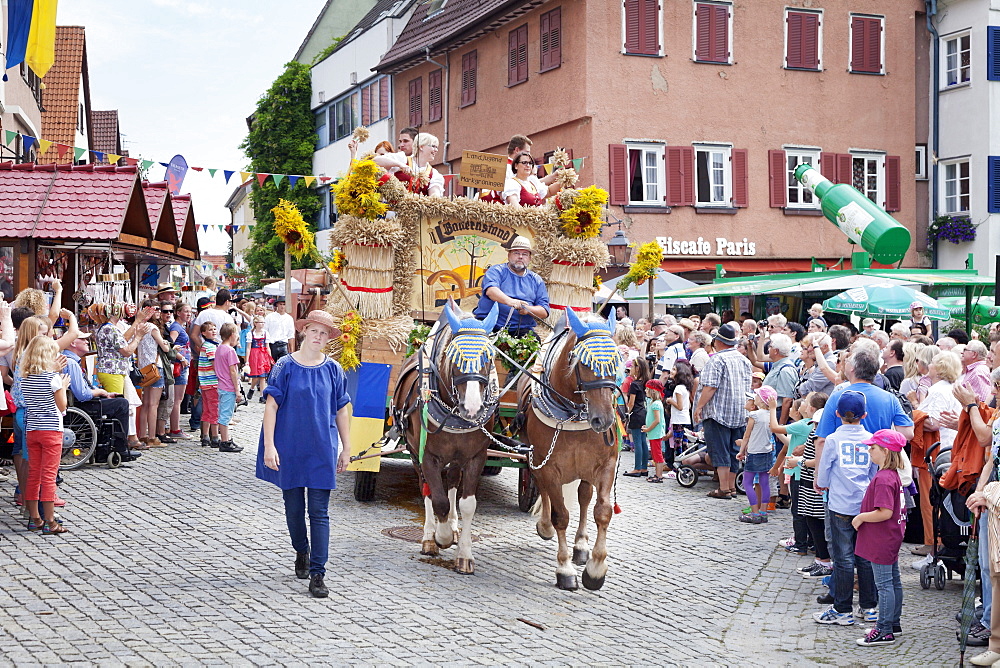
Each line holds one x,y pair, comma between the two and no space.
864,222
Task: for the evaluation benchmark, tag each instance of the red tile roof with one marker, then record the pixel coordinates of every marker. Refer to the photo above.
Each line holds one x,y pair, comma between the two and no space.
186,231
61,98
161,217
63,202
104,131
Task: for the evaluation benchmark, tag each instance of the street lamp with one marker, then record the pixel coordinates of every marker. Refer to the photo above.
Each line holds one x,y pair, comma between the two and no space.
619,249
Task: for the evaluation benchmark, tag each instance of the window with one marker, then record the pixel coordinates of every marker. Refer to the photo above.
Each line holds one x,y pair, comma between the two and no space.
328,211
347,113
803,40
469,66
385,108
867,45
435,6
645,174
34,83
550,30
517,56
957,53
434,96
797,195
322,139
641,26
921,162
713,177
416,102
868,176
956,186
712,30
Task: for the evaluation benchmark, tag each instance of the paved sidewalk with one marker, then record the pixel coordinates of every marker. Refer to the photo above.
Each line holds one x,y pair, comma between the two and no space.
182,558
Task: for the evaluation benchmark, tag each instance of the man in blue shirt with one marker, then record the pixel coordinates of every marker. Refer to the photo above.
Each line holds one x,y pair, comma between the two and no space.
520,292
113,407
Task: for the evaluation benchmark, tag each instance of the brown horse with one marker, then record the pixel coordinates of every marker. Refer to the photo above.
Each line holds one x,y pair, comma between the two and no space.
570,415
445,391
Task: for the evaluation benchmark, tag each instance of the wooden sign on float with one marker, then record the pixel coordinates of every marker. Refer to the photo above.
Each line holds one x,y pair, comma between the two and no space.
486,171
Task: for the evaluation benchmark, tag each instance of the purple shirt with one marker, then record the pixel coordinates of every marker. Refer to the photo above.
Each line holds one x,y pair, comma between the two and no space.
879,542
225,357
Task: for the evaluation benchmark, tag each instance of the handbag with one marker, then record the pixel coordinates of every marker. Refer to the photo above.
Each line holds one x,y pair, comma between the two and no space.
11,406
150,374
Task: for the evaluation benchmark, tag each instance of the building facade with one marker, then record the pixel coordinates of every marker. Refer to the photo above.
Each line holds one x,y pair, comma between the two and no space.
66,115
240,219
691,114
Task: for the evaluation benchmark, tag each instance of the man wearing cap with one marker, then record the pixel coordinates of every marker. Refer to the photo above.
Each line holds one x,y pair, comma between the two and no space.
725,382
280,331
520,292
165,292
917,317
673,337
115,407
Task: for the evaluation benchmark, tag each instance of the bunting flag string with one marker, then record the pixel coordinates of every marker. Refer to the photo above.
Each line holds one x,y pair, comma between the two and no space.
44,145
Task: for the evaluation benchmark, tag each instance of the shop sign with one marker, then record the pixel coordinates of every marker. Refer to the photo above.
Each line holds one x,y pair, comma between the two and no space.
702,246
487,171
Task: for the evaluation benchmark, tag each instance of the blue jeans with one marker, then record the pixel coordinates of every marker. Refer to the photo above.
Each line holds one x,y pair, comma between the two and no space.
319,524
844,563
641,449
195,417
890,596
984,560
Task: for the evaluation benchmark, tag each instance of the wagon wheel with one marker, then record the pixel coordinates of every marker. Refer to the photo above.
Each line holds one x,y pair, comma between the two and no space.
364,486
527,492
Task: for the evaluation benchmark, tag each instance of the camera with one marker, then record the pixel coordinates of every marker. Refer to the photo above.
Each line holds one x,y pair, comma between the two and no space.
762,324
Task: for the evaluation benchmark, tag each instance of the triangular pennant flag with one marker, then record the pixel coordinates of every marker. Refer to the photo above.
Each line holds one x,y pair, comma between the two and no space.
277,179
131,162
245,176
113,158
548,168
324,179
448,178
197,169
78,152
578,164
28,142
146,164
211,173
228,174
309,180
98,156
44,145
204,228
261,178
292,180
164,164
61,150
8,136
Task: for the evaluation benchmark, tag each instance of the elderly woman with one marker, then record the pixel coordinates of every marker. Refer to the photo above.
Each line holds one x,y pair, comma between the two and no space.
699,343
114,349
416,171
943,371
523,187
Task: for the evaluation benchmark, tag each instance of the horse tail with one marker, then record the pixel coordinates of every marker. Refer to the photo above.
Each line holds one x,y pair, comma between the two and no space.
570,498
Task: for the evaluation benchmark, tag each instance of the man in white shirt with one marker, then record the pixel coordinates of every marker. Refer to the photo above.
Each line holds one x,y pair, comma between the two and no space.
280,329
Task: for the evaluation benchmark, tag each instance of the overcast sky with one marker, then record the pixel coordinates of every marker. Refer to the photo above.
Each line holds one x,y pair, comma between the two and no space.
184,75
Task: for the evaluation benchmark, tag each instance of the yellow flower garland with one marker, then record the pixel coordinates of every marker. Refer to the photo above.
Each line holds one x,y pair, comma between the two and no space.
646,264
338,262
350,329
289,225
582,218
357,194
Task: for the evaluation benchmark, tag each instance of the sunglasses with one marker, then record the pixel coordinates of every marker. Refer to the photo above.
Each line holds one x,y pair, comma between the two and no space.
166,310
530,164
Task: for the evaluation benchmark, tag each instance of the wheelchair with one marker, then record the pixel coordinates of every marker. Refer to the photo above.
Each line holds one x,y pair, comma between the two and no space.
88,439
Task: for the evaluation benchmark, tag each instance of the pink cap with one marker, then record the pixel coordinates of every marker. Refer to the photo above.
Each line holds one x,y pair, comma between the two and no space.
916,305
889,439
766,393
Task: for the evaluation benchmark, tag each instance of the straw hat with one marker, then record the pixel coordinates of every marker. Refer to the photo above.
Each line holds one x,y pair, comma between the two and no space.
520,243
164,288
321,318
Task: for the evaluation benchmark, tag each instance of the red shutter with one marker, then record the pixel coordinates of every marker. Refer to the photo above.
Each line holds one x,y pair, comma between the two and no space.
383,97
810,41
469,62
522,53
866,44
893,194
828,165
366,106
703,33
720,33
632,20
416,102
555,37
650,27
793,53
741,185
778,175
680,176
434,96
618,174
512,42
873,45
845,169
543,40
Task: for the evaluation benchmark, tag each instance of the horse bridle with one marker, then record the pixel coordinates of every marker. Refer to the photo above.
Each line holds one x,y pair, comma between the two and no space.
578,411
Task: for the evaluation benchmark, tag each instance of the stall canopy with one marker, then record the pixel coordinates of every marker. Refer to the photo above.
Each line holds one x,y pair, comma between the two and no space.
884,300
664,282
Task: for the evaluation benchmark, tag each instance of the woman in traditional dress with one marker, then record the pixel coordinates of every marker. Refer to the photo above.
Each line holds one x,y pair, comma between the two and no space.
524,188
416,171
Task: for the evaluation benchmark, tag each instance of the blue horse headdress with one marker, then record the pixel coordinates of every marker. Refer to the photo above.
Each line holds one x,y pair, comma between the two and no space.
470,348
596,348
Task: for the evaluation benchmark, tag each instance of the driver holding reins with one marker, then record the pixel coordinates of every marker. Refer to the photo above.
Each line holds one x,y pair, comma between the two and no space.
520,293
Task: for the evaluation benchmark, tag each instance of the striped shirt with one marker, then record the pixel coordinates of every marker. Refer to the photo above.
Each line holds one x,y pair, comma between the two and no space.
40,410
206,364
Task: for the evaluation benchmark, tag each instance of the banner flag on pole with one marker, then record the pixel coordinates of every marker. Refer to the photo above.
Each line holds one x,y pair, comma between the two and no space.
8,136
18,27
261,178
41,50
309,180
292,180
228,174
245,176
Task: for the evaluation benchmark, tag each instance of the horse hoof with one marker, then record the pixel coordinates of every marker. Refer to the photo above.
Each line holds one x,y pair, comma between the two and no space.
592,583
580,557
538,529
429,547
567,582
465,566
443,547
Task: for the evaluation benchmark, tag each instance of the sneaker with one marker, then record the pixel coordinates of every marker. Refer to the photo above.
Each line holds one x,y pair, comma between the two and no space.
262,400
229,446
205,441
671,475
831,616
749,519
762,517
875,638
926,561
316,586
59,503
897,630
215,443
179,435
808,569
867,614
801,551
250,394
979,635
821,571
787,542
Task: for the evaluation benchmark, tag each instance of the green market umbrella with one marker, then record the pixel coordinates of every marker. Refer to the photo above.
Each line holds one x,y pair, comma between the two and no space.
884,301
984,309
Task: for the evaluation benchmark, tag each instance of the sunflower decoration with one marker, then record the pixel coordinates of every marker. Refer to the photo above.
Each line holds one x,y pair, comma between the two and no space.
357,193
580,211
646,264
597,282
292,229
350,334
339,261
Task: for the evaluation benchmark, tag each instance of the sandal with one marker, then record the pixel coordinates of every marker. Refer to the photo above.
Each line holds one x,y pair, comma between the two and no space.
718,494
654,478
53,527
35,524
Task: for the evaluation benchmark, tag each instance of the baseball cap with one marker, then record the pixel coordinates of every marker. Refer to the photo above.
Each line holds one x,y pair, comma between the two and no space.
760,375
868,322
852,405
766,393
916,305
890,439
203,303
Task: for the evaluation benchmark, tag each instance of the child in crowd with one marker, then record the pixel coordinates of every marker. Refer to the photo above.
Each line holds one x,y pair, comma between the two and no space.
655,426
682,381
227,371
636,405
756,451
880,526
260,358
44,391
793,438
209,384
756,380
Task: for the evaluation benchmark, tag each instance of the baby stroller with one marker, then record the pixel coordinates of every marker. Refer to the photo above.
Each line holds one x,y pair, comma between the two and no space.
689,474
951,521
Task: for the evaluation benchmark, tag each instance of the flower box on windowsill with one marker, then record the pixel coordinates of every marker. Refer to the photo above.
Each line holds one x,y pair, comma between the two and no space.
956,229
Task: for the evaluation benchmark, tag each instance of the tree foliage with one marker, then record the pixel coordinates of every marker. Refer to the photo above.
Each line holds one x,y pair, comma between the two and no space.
281,140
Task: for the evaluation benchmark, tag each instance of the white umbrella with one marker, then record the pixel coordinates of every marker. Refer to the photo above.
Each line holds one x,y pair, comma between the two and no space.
664,282
278,288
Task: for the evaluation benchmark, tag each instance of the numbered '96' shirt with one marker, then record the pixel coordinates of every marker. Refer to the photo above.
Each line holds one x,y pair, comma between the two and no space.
846,468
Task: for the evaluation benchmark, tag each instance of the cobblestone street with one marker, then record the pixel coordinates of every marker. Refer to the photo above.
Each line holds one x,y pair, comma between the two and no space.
182,558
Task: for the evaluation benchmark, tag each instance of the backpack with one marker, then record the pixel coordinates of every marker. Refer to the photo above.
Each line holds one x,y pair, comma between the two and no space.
903,401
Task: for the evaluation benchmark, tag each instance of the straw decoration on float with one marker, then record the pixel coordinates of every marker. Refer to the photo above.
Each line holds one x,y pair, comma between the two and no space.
360,134
293,231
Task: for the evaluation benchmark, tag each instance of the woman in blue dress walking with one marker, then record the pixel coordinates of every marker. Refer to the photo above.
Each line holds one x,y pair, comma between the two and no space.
307,409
